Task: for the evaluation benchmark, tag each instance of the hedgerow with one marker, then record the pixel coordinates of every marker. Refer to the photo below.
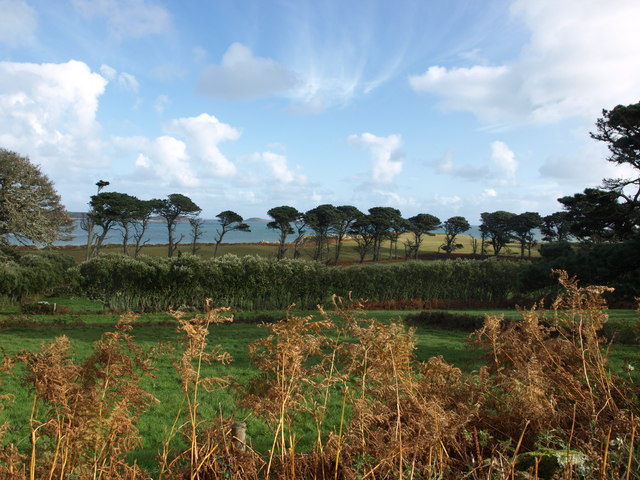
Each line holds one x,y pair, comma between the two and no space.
257,283
32,274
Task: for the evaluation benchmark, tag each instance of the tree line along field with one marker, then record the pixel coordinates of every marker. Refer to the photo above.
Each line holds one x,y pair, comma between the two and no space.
430,248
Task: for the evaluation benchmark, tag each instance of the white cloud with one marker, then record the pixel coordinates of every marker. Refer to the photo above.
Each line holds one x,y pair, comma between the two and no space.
48,111
506,162
448,166
241,75
386,155
583,168
127,18
278,167
582,56
161,102
18,22
204,133
108,72
489,192
453,201
128,82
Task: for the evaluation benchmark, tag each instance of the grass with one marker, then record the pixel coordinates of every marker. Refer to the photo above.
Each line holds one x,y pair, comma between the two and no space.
86,324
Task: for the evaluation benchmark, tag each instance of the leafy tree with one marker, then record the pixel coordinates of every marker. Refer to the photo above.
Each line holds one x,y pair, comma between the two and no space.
596,215
87,224
421,224
523,226
322,220
109,209
381,220
283,217
363,232
229,221
497,228
172,209
555,227
453,227
30,208
399,226
620,130
348,215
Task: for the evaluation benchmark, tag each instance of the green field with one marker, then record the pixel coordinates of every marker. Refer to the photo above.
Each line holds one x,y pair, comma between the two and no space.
431,245
85,323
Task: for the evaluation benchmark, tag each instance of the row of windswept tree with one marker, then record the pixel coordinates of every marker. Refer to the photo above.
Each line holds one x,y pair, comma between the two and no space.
325,225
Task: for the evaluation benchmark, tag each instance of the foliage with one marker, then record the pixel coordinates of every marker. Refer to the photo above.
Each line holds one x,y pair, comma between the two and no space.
229,222
421,224
322,219
523,226
453,227
596,215
173,208
283,217
30,208
154,284
498,228
620,130
34,273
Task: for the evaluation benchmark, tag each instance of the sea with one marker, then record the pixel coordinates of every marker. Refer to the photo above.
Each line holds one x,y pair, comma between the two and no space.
156,234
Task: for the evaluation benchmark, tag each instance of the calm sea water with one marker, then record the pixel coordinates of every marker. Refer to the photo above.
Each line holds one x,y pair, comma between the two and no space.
157,234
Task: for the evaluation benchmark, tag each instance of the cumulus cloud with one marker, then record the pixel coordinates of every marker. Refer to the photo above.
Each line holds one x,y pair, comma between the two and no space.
506,162
278,167
127,18
18,22
575,48
387,158
48,111
204,133
185,155
241,75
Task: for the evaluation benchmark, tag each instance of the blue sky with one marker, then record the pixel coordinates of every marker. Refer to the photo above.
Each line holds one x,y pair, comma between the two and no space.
448,107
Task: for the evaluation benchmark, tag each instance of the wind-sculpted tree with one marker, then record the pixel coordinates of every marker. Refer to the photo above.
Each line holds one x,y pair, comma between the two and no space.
497,227
172,209
597,215
322,220
229,221
381,220
109,209
363,233
283,217
620,130
523,226
453,227
30,208
420,225
348,215
556,227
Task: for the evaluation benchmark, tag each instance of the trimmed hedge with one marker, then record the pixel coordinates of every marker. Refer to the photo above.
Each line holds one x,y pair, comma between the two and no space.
257,283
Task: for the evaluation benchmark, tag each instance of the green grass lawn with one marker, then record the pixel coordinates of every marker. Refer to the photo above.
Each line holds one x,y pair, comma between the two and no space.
86,323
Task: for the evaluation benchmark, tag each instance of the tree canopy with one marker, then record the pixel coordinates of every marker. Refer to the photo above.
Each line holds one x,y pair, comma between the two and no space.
30,208
173,208
282,216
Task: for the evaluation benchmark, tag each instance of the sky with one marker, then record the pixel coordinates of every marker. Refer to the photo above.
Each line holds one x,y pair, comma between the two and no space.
447,107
